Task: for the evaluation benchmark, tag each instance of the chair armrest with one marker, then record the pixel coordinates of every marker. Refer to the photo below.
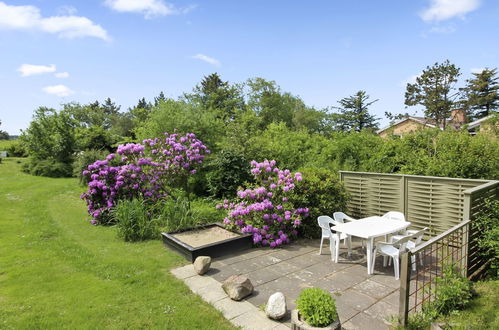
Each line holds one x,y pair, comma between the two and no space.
378,244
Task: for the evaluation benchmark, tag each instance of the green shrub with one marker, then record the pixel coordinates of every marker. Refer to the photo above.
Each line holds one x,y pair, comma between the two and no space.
175,214
452,292
205,211
16,149
487,225
317,307
134,221
228,171
85,158
323,193
47,167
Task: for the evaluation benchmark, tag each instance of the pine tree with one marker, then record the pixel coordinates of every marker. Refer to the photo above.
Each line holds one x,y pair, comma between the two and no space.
434,89
160,98
481,94
354,113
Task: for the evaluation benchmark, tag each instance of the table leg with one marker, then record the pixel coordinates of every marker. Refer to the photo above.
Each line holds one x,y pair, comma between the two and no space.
369,255
332,243
337,248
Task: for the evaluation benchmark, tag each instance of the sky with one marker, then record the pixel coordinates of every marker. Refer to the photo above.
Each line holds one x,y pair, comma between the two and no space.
53,52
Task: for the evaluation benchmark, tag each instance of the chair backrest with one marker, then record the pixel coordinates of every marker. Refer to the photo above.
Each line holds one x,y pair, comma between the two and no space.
394,215
418,236
340,217
402,242
325,223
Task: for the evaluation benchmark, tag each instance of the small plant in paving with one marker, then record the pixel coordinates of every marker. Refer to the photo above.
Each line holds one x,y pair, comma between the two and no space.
265,210
316,307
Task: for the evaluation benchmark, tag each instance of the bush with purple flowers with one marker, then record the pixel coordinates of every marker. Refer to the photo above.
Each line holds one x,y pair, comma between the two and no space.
149,171
265,210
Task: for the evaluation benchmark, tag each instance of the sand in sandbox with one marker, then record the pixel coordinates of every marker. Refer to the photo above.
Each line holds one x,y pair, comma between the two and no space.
200,237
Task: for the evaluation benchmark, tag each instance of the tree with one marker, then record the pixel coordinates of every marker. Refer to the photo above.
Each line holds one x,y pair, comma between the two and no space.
214,94
354,113
270,104
3,134
160,98
435,90
395,117
481,94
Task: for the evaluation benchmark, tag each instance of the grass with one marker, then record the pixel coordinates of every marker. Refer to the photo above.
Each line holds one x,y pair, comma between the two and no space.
482,312
58,271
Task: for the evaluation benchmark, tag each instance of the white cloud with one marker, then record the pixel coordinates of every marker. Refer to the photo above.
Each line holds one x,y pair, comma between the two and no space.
66,10
207,59
65,26
446,29
58,90
31,69
148,8
441,10
477,70
62,75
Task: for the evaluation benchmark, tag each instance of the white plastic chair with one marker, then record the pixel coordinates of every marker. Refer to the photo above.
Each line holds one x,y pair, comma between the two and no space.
392,250
394,215
417,236
325,222
342,217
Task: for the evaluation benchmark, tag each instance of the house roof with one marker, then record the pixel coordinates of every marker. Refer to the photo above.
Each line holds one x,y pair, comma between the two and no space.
421,120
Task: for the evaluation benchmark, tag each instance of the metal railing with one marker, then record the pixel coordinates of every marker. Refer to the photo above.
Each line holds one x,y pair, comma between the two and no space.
431,258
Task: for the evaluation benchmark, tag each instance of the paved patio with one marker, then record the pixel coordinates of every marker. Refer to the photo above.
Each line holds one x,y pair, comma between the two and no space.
363,301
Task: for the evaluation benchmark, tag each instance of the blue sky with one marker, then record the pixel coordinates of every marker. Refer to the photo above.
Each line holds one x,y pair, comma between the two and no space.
54,51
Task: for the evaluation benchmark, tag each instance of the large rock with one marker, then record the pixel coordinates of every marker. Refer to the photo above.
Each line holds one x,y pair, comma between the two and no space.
202,264
276,306
237,287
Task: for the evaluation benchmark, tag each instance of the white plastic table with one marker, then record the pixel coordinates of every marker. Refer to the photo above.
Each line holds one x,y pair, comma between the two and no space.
369,228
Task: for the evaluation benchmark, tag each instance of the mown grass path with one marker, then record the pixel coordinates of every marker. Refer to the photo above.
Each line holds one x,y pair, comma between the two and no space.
57,271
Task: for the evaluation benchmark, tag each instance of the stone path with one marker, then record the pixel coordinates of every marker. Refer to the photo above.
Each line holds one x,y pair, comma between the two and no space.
363,301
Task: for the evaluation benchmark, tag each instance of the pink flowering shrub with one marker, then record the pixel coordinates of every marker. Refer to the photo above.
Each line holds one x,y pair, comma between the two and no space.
265,210
147,170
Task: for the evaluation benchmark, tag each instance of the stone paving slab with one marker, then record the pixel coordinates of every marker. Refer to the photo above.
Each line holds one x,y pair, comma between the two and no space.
363,301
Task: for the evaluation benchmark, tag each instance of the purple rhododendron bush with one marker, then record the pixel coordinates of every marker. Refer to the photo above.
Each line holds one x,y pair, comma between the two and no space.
265,210
148,171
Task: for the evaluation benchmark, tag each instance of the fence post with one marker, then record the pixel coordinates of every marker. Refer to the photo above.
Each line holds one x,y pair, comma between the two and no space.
467,216
405,282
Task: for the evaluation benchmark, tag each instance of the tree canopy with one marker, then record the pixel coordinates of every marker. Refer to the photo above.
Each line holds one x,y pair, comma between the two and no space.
354,113
435,90
481,94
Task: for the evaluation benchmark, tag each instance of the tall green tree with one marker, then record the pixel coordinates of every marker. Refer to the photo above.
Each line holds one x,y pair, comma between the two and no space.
481,93
160,98
435,90
354,113
272,105
214,94
3,134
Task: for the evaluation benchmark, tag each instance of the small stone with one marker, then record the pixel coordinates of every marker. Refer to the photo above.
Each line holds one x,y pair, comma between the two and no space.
276,306
202,264
237,287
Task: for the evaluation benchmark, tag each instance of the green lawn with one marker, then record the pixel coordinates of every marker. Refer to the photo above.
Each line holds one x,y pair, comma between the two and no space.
57,271
482,313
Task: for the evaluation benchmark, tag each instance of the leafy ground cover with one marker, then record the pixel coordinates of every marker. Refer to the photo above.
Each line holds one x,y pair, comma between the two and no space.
56,271
481,312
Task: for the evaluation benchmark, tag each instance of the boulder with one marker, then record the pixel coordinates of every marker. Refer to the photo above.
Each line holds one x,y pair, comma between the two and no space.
202,264
276,306
237,287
